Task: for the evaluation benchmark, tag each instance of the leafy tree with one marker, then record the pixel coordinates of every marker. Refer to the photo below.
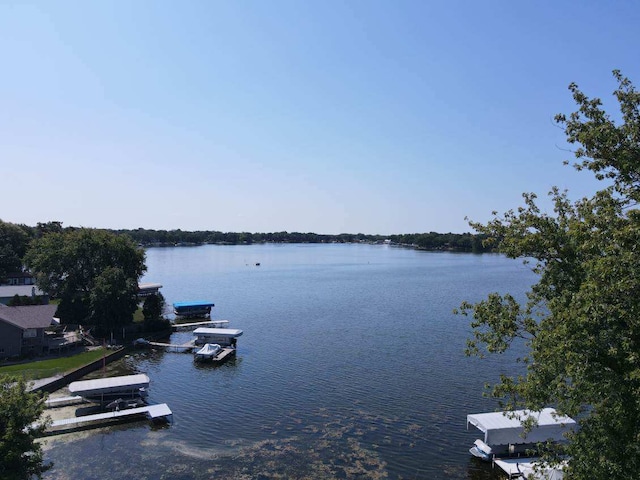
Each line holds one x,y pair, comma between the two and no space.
43,229
152,310
18,300
153,307
14,240
113,298
21,456
74,264
581,321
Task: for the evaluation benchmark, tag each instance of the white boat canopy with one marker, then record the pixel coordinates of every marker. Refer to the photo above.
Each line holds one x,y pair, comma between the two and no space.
505,428
218,332
104,385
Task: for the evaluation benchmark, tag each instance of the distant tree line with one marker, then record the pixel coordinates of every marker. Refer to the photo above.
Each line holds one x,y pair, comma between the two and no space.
464,242
458,242
173,237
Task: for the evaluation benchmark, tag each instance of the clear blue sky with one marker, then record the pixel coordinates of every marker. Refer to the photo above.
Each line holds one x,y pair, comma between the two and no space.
311,116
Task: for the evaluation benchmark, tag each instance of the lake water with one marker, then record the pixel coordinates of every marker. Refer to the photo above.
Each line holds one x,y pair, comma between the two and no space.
351,366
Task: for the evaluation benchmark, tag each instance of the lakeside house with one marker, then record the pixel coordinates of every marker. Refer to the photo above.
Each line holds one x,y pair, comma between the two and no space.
21,284
23,330
8,292
20,278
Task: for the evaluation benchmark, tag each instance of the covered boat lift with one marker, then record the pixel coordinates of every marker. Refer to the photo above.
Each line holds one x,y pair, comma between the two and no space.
106,389
148,289
193,309
225,337
504,433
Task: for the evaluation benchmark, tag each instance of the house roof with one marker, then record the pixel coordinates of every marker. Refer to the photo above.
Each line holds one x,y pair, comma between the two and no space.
19,275
33,316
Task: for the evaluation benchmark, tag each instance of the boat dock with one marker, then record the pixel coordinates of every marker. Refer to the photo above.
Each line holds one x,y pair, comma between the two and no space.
225,354
185,346
149,411
175,326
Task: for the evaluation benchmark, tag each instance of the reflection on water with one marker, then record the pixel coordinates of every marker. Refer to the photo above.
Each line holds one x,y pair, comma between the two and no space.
351,366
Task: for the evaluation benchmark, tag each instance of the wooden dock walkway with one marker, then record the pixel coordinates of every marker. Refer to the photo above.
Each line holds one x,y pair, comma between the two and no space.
150,411
225,354
197,324
187,346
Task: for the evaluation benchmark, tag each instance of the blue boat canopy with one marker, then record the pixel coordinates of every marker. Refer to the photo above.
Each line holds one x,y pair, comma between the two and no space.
193,304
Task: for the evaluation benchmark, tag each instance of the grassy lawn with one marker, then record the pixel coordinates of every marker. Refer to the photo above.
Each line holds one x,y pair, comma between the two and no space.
53,366
137,316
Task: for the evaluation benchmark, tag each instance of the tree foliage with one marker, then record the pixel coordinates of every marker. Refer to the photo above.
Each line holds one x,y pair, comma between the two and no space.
86,269
427,241
152,311
153,307
14,240
22,300
20,425
581,321
44,228
113,298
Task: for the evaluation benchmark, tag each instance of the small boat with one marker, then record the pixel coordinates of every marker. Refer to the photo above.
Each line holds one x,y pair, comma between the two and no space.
141,342
208,352
121,404
106,390
481,450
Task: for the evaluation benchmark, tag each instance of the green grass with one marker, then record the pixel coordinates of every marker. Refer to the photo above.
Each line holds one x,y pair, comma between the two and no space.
137,316
53,366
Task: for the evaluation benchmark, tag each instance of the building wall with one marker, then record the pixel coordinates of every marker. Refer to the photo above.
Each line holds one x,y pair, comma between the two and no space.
10,340
34,345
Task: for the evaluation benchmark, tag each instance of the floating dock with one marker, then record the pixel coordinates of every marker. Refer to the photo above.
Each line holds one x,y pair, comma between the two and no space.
225,354
149,411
